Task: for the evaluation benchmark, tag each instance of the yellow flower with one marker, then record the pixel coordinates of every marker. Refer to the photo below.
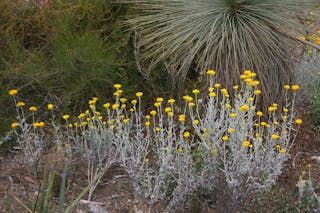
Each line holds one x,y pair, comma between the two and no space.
180,150
246,143
243,76
276,123
33,108
157,104
298,121
196,121
115,106
171,101
295,87
214,151
235,87
117,86
170,114
302,38
106,105
167,109
14,125
139,94
224,91
275,137
13,92
191,104
230,130
251,99
211,72
81,115
210,89
277,146
187,98
233,115
186,134
259,113
285,110
257,92
92,102
225,138
117,93
181,118
158,129
38,124
159,100
20,104
123,100
286,87
244,108
228,106
134,102
65,117
272,108
123,106
195,91
50,106
247,72
125,120
147,117
212,94
217,85
283,151
147,123
153,112
263,123
248,80
254,83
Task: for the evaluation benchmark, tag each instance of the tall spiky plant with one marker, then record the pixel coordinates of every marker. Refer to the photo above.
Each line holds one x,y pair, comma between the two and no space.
227,35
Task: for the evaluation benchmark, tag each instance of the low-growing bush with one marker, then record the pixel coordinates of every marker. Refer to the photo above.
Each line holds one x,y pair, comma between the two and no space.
171,151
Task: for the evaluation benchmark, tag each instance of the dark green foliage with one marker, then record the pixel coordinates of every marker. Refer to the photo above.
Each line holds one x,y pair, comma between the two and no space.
65,52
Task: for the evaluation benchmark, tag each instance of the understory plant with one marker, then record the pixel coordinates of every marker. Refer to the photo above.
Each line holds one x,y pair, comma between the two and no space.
309,200
171,151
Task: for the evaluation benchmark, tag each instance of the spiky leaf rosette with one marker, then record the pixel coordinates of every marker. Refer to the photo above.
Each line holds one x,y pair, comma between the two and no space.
227,35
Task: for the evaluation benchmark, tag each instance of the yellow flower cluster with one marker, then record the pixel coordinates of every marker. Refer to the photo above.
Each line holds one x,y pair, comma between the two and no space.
38,124
249,77
293,87
118,116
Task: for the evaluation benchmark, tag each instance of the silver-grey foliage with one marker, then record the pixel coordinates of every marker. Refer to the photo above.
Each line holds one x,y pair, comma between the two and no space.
226,35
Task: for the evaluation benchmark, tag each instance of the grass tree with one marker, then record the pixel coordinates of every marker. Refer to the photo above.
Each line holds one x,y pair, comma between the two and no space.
227,35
